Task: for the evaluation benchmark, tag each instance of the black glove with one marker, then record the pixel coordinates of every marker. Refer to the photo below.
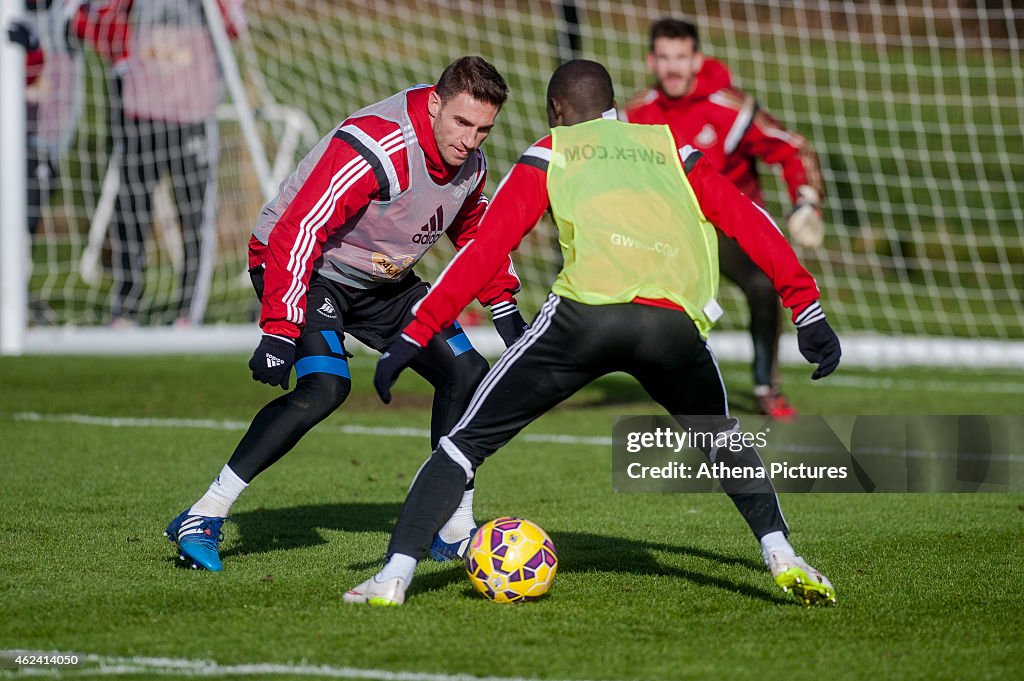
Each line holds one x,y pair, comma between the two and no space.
507,321
819,345
24,34
272,362
396,357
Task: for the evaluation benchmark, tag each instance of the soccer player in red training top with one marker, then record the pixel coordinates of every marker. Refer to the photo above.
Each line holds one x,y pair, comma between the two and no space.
333,254
694,98
636,219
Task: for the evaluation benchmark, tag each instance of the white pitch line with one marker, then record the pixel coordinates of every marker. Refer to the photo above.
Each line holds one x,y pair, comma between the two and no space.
102,665
930,385
381,431
907,384
130,422
210,424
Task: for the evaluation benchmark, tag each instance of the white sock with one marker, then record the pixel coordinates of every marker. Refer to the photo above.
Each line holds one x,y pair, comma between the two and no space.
461,522
222,493
399,565
775,542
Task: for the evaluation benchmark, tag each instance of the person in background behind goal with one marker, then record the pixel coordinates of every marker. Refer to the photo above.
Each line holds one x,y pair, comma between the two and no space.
694,97
334,252
636,219
53,96
165,87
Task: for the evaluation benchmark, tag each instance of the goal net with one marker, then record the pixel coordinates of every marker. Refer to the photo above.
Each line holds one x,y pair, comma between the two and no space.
915,111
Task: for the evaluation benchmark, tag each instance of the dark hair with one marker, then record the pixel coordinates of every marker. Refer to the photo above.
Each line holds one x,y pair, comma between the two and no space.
674,28
584,85
475,77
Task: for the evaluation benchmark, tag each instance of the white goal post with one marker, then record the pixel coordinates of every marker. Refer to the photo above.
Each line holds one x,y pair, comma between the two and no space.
14,252
915,110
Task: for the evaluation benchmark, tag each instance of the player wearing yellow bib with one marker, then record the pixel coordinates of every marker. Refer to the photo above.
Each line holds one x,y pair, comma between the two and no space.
636,221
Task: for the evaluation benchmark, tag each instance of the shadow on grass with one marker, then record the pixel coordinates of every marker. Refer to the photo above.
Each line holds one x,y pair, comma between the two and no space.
590,553
282,529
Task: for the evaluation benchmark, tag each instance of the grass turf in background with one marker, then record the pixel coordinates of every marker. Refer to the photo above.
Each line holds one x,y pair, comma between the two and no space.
649,586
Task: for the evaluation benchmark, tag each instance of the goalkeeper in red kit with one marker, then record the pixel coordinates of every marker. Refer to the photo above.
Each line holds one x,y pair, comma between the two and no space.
333,254
694,97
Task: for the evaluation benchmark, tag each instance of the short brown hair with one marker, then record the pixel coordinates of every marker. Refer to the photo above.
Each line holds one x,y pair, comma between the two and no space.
475,77
674,28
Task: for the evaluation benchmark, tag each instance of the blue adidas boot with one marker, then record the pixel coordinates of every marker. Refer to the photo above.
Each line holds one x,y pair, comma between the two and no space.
198,539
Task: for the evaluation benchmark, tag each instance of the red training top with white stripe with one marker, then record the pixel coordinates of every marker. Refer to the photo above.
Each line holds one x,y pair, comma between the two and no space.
347,211
731,130
522,198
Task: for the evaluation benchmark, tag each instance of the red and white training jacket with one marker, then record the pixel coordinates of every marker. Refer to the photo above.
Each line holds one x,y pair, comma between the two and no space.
522,198
731,130
364,206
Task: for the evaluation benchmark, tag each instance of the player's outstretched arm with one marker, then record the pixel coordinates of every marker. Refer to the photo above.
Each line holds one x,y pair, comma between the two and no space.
759,237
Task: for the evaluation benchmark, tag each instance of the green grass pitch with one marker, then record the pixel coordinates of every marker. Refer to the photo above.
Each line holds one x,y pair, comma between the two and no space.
649,586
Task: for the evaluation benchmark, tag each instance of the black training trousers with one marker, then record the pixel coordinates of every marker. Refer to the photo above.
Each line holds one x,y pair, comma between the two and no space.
148,150
569,345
